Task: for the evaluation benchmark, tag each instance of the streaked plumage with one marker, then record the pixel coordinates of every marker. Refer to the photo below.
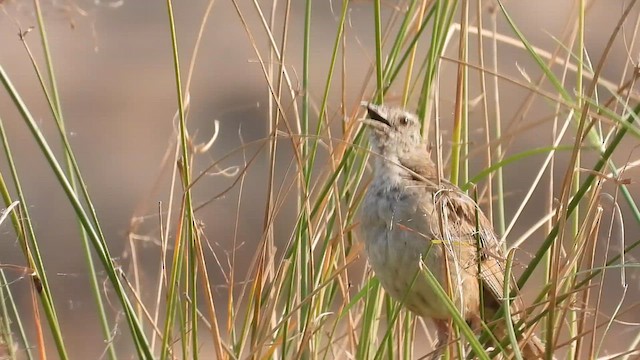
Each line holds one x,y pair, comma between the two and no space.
409,217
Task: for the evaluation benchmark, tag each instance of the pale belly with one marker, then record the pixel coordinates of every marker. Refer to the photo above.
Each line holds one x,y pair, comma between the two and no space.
399,245
397,259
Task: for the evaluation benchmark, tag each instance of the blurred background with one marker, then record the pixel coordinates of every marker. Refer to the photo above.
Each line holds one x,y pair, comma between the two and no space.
115,73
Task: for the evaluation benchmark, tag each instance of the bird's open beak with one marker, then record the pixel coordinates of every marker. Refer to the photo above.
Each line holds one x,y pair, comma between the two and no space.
377,113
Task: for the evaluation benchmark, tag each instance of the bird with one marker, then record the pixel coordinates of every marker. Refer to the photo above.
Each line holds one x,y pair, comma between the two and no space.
411,219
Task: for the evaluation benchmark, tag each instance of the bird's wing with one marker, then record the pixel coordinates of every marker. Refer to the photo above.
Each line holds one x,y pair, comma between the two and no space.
419,164
465,224
468,223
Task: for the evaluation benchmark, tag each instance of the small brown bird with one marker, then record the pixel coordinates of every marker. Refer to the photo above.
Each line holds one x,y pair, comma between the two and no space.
410,217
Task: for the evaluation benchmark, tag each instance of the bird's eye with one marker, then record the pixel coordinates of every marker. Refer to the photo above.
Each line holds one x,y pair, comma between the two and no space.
404,121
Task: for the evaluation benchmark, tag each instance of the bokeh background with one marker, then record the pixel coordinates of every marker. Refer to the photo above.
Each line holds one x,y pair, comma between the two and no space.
115,73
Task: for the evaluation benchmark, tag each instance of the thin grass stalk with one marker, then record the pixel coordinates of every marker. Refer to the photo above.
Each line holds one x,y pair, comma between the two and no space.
253,315
342,193
507,305
573,323
292,283
53,84
304,119
549,329
460,136
586,297
317,303
21,232
576,258
197,252
387,343
464,49
300,285
485,110
370,321
306,69
230,311
615,219
174,280
301,280
7,303
408,332
554,266
186,229
190,321
500,217
206,286
459,139
328,294
411,52
377,26
37,324
299,250
191,304
588,262
276,56
234,340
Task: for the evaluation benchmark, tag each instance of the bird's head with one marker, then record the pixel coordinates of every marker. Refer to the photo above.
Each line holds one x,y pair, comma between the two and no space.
394,131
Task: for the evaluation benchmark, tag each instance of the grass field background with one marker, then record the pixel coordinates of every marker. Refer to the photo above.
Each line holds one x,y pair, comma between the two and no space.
275,168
